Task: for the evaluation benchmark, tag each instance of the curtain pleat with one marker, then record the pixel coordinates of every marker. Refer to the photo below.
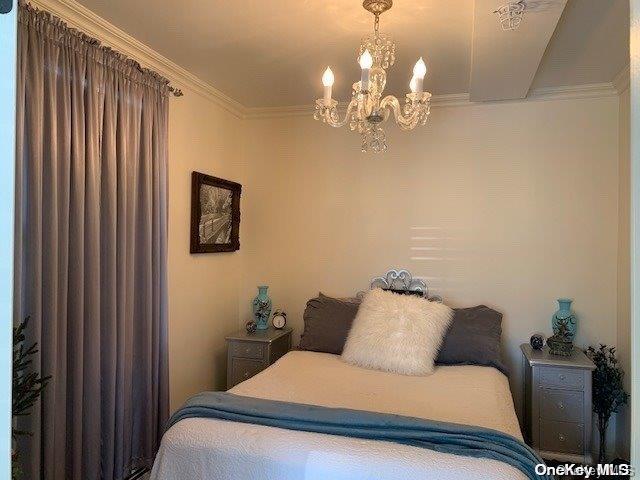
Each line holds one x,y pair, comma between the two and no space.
91,227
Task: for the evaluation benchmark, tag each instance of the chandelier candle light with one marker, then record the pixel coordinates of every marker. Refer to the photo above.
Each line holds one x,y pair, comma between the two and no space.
368,109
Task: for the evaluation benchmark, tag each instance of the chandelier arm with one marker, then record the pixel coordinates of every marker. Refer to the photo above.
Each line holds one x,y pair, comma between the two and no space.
405,122
349,113
331,117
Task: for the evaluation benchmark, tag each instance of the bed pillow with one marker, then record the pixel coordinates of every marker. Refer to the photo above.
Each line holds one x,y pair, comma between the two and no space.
396,333
326,323
473,338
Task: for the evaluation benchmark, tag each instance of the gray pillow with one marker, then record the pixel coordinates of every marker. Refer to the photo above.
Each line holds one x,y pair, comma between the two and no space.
327,322
473,339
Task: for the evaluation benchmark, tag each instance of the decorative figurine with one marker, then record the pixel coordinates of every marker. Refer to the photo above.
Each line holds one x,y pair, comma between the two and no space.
251,326
262,308
536,341
562,342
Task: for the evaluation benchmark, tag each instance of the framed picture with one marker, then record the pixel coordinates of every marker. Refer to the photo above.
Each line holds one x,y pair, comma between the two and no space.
215,214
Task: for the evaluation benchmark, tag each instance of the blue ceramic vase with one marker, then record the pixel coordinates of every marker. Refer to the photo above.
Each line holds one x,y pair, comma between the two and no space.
262,308
565,316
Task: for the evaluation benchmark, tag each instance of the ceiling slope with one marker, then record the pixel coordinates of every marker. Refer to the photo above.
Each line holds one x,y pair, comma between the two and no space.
504,63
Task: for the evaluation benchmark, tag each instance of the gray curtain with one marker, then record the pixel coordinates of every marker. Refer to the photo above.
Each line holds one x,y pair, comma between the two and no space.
91,250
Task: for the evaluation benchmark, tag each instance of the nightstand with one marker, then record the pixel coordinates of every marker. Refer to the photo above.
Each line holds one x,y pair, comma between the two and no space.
250,353
557,404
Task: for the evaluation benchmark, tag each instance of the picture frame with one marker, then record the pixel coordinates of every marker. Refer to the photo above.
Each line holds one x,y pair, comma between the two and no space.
215,214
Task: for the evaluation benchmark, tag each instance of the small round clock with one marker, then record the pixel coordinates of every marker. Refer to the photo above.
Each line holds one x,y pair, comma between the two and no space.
279,319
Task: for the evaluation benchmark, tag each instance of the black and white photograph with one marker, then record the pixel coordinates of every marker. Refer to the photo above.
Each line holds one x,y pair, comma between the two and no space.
215,214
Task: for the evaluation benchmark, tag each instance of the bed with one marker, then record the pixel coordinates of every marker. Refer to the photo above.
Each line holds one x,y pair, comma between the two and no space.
200,448
206,448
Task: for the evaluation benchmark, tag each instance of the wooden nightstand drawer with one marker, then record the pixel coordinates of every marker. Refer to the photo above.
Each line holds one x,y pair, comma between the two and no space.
247,350
562,437
243,368
571,379
562,405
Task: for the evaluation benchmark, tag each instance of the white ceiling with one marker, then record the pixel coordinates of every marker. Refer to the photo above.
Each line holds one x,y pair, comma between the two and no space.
272,53
503,64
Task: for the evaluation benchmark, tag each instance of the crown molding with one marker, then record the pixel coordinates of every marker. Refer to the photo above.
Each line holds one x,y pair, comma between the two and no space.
80,17
451,100
594,90
454,99
568,92
622,80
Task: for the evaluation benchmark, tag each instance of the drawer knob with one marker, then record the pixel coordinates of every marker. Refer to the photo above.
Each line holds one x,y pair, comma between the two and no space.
247,350
562,377
246,374
561,437
561,405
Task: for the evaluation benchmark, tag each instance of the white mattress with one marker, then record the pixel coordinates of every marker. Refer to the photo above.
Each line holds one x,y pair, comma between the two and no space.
200,448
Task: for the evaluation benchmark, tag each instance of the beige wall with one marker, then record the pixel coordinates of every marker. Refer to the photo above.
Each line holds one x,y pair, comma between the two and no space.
624,274
508,204
512,205
203,289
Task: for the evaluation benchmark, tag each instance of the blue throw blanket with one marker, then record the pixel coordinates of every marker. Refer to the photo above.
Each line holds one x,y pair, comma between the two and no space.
439,436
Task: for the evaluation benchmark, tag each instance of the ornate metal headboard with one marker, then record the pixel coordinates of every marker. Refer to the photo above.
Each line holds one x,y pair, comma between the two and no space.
402,281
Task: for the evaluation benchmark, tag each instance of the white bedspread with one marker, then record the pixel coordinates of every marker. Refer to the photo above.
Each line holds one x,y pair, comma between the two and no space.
211,449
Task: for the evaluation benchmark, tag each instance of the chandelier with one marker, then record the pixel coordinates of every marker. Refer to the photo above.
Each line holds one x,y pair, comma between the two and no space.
368,109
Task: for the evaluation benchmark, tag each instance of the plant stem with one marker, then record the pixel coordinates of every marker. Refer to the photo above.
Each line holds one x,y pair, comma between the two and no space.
602,427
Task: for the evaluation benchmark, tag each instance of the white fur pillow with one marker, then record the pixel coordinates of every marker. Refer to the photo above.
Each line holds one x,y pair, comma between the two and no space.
397,333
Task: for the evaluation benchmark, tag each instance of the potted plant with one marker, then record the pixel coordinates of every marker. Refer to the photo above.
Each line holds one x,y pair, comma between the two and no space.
27,387
608,389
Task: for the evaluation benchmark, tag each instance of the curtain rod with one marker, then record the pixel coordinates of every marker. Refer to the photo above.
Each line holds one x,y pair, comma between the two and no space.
176,91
